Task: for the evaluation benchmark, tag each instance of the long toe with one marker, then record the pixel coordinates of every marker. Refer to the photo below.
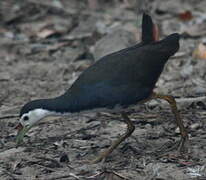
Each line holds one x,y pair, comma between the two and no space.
98,159
184,145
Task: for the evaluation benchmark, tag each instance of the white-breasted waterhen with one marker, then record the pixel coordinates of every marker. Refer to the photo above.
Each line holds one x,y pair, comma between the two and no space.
120,79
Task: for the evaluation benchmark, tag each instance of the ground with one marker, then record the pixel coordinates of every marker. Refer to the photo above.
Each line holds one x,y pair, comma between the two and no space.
44,47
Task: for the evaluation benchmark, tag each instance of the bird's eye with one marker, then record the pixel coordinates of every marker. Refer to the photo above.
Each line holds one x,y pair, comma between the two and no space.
25,118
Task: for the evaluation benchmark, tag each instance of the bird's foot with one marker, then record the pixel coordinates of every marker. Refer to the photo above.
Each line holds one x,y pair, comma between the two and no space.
100,158
183,145
179,149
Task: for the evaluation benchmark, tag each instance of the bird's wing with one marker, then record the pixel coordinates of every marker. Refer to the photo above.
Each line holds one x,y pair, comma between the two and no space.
124,78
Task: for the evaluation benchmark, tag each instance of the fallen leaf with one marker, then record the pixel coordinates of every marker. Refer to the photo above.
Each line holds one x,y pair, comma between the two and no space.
11,152
200,51
4,76
93,4
196,30
16,164
107,175
46,33
56,46
185,16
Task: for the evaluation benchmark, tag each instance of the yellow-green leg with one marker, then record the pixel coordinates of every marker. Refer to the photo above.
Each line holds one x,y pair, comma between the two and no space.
172,103
130,129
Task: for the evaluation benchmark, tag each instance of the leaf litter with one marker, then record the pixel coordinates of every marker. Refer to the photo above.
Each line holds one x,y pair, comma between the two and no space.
45,46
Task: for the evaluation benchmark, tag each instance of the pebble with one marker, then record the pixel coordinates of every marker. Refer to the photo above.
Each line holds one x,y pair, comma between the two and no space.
177,130
194,126
64,158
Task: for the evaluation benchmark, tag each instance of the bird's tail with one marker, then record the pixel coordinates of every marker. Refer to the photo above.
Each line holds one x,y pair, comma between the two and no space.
149,30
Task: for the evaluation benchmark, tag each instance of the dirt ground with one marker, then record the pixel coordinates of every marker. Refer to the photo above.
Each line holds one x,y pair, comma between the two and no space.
45,45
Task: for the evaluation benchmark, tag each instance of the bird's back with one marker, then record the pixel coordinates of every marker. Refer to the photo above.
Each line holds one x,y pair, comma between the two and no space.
122,78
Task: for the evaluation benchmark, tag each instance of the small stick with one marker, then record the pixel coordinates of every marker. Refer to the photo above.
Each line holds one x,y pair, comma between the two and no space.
184,100
190,99
65,176
57,164
9,116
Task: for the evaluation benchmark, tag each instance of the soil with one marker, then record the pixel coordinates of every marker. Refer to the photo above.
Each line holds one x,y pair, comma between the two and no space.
44,47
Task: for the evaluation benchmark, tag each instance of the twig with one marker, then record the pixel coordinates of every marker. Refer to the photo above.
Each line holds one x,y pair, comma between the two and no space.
95,175
9,108
65,176
119,175
7,172
57,164
51,6
9,116
40,165
73,175
181,101
100,173
191,100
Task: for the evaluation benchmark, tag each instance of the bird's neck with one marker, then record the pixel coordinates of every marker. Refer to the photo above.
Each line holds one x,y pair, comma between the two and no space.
54,106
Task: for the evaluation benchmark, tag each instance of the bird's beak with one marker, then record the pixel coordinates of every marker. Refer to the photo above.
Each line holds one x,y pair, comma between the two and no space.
22,130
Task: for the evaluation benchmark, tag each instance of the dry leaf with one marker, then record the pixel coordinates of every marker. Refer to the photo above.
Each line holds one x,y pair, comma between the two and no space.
108,175
15,164
185,16
196,30
200,51
56,46
155,32
93,4
46,33
11,152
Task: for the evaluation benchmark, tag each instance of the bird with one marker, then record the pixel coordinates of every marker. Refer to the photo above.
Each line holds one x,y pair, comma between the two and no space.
115,82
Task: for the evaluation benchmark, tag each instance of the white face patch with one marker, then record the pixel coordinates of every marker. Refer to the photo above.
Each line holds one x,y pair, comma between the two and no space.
32,117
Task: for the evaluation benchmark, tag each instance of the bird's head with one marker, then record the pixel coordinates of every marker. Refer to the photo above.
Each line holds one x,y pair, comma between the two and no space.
30,115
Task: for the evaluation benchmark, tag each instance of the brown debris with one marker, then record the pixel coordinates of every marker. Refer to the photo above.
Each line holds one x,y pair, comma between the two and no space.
200,51
185,16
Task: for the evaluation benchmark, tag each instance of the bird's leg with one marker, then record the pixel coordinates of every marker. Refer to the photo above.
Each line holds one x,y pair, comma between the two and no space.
172,102
130,129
